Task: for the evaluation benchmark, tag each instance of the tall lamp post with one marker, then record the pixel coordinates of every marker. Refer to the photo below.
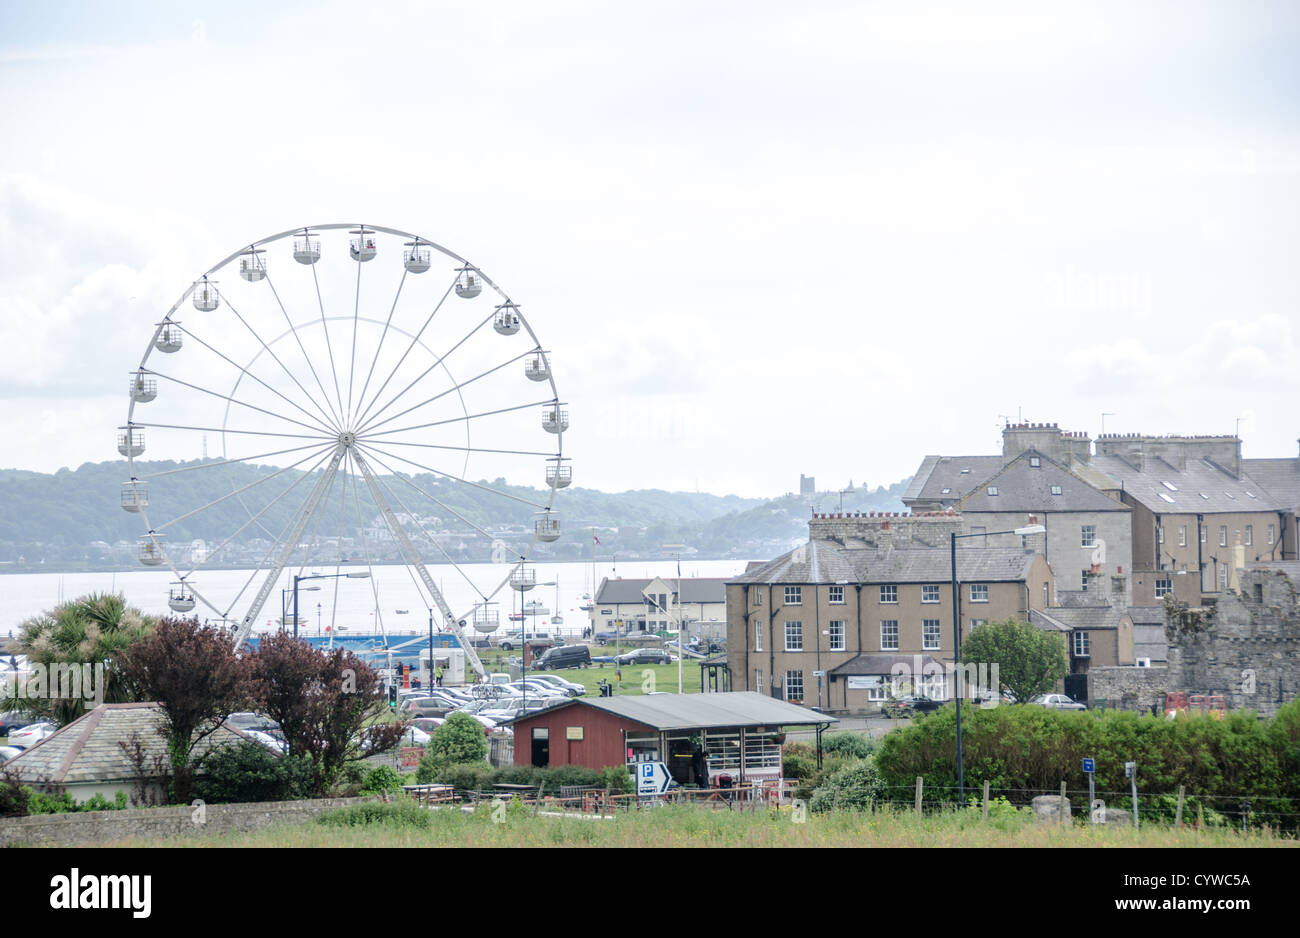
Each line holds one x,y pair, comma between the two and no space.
284,613
956,640
352,575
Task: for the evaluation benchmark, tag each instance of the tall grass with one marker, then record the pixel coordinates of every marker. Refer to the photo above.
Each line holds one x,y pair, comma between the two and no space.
695,826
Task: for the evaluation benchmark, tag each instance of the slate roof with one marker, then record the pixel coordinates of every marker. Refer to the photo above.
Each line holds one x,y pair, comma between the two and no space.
824,561
87,750
959,474
1279,477
1023,487
1061,619
871,664
689,711
694,590
1202,487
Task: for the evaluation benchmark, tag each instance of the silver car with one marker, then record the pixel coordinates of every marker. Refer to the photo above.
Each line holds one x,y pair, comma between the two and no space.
1057,702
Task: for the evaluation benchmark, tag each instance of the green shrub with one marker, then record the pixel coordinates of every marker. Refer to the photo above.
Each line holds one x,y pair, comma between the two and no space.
616,779
846,743
459,741
380,779
856,785
403,813
477,776
249,772
798,760
517,775
42,802
554,778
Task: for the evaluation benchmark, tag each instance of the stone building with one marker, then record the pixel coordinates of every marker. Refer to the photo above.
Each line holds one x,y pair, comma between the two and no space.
832,623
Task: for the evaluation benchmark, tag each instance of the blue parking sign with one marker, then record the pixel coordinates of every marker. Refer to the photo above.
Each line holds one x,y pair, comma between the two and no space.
1088,766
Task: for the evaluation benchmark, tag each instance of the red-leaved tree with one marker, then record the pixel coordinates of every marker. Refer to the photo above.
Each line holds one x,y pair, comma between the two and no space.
198,680
325,702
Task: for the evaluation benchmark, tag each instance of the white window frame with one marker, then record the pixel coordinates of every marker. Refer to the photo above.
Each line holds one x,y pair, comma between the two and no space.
982,596
877,692
1223,576
931,593
836,595
1248,538
758,596
1087,535
1164,586
1204,532
889,594
1080,646
890,622
790,684
929,628
1160,533
1223,535
837,635
1270,534
1056,490
758,634
993,490
796,633
794,595
1182,536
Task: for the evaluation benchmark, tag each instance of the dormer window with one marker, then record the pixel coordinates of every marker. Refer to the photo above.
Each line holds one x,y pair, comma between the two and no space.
1056,490
993,490
1035,461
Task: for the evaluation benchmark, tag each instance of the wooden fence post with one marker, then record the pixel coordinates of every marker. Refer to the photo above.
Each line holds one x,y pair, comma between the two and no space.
1065,805
1178,814
986,799
920,782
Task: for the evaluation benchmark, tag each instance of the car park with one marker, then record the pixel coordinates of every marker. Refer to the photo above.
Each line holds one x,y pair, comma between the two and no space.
572,688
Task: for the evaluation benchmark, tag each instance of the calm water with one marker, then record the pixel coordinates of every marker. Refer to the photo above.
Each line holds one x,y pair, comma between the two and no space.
357,604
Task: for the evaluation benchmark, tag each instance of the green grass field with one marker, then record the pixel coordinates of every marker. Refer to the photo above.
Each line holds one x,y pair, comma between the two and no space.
693,826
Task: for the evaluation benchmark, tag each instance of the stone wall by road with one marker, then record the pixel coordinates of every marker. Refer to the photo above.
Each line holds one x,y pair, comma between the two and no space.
98,827
1128,688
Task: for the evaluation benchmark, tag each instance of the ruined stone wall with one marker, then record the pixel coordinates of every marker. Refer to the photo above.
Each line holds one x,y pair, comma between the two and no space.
883,529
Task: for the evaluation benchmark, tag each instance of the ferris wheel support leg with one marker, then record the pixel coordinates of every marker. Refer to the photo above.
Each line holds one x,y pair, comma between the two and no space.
413,558
322,486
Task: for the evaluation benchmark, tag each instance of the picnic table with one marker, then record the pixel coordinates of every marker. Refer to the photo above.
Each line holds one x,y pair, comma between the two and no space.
426,795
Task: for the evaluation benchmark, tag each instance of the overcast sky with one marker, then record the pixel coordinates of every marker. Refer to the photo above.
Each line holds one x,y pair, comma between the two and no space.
759,238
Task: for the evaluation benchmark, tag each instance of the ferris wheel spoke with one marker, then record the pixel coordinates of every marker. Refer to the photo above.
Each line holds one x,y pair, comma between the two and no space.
338,420
276,358
356,313
445,507
234,400
175,426
306,413
256,518
431,539
415,340
329,347
455,388
320,451
439,361
369,437
227,462
382,335
372,449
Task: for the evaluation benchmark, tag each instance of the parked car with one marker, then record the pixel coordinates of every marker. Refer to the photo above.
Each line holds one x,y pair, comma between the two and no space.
1057,702
414,736
248,722
7,753
909,705
572,688
266,739
429,706
12,720
515,637
428,724
645,656
564,656
30,735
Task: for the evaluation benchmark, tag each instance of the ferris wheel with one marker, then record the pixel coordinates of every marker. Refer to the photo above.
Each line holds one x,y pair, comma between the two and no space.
341,395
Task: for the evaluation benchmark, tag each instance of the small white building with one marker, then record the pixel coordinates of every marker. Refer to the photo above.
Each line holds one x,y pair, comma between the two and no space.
648,605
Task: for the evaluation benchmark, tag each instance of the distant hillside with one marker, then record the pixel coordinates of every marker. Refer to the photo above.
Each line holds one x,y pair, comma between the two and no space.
73,519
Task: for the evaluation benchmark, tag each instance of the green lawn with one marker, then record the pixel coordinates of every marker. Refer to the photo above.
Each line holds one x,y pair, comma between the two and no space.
660,677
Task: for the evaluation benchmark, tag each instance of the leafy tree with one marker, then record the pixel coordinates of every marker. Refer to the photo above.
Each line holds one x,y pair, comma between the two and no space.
1029,660
91,630
458,741
856,785
192,671
326,704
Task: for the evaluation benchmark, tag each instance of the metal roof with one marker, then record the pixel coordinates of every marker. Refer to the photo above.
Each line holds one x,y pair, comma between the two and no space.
873,664
707,711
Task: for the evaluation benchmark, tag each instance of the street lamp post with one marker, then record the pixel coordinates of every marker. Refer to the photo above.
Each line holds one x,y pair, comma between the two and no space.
956,641
353,574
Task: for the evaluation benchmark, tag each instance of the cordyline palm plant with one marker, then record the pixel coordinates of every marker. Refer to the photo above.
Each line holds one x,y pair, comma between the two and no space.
90,630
